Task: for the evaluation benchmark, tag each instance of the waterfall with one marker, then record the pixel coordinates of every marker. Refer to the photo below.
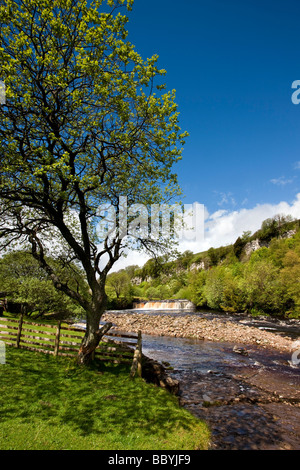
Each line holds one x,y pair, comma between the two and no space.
181,304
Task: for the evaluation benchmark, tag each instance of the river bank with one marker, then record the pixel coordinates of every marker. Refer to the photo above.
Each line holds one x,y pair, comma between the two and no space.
193,326
248,395
249,402
236,377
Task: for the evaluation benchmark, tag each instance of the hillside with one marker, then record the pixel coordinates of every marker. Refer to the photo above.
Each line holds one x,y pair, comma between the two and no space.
258,274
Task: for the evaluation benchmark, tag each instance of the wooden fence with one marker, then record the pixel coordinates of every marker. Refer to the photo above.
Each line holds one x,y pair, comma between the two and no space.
64,340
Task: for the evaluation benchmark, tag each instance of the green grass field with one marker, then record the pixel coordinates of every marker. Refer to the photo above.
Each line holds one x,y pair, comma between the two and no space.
49,403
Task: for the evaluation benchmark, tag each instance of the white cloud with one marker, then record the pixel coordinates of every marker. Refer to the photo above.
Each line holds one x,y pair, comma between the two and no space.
133,258
297,166
224,227
225,198
281,181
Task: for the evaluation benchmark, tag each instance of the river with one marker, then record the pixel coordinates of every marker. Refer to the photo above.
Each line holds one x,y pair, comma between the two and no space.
249,397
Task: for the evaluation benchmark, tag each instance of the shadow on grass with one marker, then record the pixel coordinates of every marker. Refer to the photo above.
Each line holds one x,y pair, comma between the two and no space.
96,400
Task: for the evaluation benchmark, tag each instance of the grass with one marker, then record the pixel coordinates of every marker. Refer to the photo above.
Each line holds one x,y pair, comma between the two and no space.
49,403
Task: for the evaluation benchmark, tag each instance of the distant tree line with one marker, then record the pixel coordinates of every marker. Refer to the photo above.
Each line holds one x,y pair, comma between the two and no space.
265,281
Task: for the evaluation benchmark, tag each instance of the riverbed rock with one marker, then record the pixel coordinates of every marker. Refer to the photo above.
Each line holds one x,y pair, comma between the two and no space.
192,326
241,351
155,373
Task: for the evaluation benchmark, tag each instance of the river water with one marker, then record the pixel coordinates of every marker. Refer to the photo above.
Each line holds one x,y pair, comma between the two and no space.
250,398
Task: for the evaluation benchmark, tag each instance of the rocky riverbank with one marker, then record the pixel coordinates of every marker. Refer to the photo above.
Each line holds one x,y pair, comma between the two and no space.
250,400
191,326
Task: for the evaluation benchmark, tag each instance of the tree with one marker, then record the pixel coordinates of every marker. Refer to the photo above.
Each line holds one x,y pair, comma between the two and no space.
290,279
246,236
238,247
196,283
40,296
214,287
18,265
213,256
274,226
261,284
85,124
119,281
25,282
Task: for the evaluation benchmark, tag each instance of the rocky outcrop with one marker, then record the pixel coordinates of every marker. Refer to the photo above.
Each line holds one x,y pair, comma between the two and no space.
288,234
155,373
198,266
252,246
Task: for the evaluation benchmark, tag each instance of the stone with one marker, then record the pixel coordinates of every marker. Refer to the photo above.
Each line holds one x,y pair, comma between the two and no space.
241,351
155,373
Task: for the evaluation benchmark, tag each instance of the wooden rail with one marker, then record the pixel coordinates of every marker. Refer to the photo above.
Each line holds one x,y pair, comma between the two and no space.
62,340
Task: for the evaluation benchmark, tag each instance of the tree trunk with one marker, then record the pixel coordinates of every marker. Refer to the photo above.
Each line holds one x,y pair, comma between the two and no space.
89,344
93,332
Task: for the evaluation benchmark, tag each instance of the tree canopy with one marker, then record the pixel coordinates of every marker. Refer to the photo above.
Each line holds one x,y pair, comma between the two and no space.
86,120
24,282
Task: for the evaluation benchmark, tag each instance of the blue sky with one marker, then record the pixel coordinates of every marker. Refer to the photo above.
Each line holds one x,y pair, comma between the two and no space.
232,64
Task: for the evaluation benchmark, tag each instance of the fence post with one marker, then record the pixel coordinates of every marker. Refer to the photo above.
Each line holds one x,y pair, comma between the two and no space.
19,330
57,336
139,345
137,358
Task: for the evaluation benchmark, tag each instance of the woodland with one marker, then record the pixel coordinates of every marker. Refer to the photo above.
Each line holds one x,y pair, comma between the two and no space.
259,274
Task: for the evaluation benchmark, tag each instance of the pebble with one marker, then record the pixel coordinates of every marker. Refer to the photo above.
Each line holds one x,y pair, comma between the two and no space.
191,326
